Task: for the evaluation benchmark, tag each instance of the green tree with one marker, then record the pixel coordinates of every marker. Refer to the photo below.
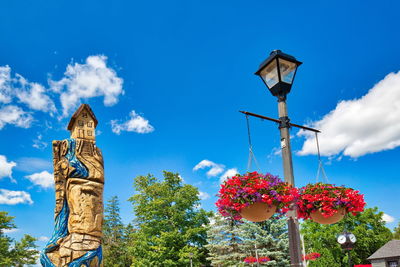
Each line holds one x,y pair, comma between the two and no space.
396,232
15,253
223,237
368,227
170,226
115,236
229,242
270,238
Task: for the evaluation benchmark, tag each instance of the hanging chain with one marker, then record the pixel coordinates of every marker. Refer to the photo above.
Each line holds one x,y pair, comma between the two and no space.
320,165
251,154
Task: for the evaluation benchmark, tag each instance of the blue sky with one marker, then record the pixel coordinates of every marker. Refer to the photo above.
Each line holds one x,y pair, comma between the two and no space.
166,80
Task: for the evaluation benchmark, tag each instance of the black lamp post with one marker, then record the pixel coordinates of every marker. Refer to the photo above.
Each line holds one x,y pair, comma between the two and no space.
347,241
278,72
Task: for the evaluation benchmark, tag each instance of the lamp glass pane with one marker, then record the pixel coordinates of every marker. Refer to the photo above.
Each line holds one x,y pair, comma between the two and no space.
287,70
270,74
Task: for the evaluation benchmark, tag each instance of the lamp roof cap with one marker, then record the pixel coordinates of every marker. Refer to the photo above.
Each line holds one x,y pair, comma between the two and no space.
277,54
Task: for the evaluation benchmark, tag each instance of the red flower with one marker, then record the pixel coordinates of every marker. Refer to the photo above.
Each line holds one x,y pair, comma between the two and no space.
312,256
263,259
252,259
328,199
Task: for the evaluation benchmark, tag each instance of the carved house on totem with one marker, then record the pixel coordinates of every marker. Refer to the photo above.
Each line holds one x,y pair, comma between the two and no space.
83,123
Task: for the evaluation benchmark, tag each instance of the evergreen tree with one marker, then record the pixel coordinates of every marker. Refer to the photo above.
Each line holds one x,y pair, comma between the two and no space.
223,237
230,242
17,254
24,251
114,236
368,227
269,238
170,228
5,241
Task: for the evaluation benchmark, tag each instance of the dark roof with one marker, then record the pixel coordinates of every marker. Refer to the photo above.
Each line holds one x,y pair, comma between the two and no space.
389,250
274,54
78,111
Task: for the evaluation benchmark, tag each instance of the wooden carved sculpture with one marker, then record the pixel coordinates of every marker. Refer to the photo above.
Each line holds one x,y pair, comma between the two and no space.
79,182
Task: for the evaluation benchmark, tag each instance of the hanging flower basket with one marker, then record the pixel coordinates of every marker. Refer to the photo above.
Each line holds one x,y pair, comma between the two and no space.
254,196
327,203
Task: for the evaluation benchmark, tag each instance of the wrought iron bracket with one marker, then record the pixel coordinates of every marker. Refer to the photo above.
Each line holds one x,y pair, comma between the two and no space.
284,122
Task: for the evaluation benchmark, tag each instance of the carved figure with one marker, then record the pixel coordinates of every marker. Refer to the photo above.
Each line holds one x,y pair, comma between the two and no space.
79,181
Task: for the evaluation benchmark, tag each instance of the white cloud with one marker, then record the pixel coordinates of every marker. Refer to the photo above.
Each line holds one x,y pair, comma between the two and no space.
215,168
135,123
39,143
80,81
276,151
387,218
9,197
6,167
5,84
31,164
83,81
9,231
34,95
43,238
14,115
228,174
43,179
203,195
361,126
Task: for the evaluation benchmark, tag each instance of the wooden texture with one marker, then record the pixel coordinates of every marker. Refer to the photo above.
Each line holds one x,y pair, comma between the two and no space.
79,182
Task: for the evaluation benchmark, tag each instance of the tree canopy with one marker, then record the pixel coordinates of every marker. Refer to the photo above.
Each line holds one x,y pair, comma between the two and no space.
169,223
15,253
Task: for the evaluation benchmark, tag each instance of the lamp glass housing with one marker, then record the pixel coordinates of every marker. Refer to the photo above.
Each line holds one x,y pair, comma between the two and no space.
270,74
287,70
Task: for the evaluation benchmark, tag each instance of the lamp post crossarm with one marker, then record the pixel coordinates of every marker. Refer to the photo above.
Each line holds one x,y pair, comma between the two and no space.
279,121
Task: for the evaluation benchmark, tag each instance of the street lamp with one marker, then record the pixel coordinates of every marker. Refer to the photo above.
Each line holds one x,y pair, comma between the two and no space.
347,241
278,72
